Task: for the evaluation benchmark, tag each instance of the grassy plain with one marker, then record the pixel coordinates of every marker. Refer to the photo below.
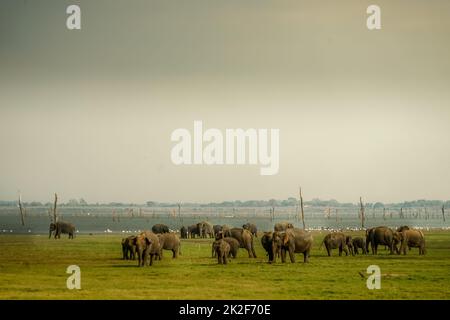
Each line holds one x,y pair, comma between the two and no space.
34,267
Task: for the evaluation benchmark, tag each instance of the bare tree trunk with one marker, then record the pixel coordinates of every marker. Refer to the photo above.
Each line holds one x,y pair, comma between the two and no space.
443,212
21,210
336,215
54,208
362,212
384,213
301,208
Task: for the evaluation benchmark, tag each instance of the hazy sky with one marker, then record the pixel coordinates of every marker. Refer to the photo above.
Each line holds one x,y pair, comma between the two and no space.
89,113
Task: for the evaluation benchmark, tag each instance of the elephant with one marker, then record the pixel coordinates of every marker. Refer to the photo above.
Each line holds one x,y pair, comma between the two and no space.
184,232
349,243
273,248
282,226
245,239
369,233
193,231
205,229
384,236
226,230
294,240
335,240
234,246
222,250
224,233
61,227
402,228
147,247
217,228
252,228
160,228
129,248
169,241
359,242
412,239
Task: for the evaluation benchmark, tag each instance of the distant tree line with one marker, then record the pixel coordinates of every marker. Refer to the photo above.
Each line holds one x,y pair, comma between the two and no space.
289,202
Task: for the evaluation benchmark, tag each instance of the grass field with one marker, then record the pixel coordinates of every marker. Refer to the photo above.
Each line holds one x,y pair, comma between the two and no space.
34,267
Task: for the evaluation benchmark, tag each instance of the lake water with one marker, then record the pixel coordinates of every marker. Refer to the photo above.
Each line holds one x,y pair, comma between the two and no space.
132,220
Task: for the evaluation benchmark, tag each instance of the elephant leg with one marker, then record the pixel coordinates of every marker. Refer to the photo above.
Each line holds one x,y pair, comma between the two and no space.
283,255
344,248
328,250
249,250
306,256
174,251
340,251
292,256
151,259
140,259
253,251
391,248
225,261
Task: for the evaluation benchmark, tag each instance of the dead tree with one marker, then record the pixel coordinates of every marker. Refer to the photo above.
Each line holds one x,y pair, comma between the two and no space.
54,209
362,212
443,212
21,209
384,213
301,209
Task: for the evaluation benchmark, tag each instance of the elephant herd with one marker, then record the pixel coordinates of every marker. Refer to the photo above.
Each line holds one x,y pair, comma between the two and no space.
149,246
284,240
205,229
396,241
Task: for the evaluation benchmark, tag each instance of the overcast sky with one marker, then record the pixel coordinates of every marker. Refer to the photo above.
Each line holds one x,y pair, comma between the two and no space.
89,113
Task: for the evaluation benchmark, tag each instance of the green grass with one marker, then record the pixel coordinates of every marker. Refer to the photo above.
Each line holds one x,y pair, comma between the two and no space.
34,267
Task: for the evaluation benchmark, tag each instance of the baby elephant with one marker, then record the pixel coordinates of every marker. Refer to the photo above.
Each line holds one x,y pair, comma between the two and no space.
359,242
222,249
349,243
234,247
129,248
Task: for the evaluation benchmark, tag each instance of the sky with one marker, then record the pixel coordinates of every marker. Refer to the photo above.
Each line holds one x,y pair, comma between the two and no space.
89,113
